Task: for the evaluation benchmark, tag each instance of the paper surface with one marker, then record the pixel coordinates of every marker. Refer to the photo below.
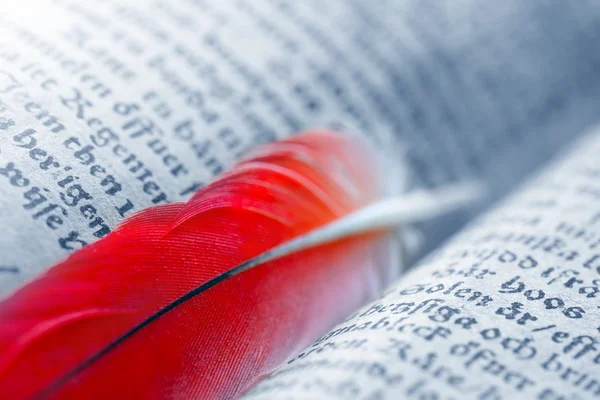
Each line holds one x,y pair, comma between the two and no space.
509,309
112,107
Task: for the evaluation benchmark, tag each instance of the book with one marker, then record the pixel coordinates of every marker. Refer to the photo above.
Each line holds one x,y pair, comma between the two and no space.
110,107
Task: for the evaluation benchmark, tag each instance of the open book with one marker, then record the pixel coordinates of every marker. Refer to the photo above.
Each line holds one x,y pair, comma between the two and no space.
110,107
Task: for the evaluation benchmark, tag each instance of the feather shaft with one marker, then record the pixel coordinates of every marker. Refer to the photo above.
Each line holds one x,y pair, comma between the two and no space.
384,214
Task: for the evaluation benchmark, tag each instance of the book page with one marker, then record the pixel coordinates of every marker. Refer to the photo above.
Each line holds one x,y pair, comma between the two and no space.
509,309
109,107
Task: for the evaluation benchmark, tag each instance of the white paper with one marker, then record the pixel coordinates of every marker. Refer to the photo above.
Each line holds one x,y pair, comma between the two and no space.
108,107
508,309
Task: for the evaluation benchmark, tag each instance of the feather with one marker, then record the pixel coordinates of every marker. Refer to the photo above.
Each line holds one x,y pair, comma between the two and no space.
201,299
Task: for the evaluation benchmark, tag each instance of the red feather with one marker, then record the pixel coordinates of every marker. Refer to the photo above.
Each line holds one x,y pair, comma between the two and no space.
107,322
